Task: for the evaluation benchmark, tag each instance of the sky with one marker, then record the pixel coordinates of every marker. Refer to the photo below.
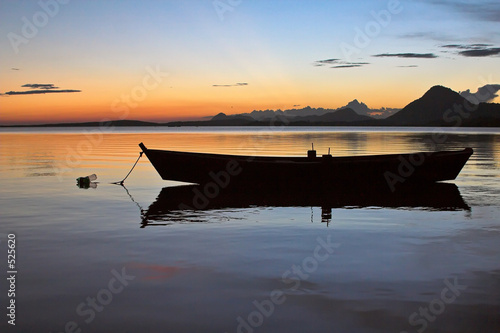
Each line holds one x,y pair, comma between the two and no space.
76,60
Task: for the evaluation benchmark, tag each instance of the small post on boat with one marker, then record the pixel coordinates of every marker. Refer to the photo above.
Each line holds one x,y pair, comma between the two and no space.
328,155
311,153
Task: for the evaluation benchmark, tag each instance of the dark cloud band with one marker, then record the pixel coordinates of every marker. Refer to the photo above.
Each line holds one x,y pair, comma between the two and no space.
34,92
406,55
337,63
39,88
239,84
474,50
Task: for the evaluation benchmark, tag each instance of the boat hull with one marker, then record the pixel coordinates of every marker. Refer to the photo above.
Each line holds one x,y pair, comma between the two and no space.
318,172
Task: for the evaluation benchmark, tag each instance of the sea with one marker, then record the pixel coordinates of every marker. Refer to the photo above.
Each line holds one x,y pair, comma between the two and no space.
104,258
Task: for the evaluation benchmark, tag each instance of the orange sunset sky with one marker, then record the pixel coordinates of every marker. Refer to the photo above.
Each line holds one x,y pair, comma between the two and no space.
72,61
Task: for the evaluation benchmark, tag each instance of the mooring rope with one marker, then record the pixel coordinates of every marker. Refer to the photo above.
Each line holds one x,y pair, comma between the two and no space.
132,198
123,180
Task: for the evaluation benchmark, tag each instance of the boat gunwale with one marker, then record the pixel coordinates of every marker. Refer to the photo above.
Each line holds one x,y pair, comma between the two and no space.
306,159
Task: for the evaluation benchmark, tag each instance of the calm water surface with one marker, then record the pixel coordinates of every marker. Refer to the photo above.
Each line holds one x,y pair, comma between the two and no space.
86,261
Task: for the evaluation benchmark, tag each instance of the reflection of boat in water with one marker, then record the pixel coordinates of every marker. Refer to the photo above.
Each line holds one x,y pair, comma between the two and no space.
178,203
311,171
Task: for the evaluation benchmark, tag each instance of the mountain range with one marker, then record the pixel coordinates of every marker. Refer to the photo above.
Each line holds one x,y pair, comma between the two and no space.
439,106
359,107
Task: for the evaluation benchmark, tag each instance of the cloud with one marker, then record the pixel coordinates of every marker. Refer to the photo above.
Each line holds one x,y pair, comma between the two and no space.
485,94
481,53
482,10
407,55
459,45
337,63
15,69
326,62
409,66
466,46
39,88
429,35
351,65
346,66
474,50
33,92
239,84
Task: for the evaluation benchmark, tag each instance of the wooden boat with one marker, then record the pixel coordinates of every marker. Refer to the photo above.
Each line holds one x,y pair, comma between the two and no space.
217,171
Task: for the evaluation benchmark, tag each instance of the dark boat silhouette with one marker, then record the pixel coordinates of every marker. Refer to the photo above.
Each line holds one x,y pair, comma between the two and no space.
217,171
180,204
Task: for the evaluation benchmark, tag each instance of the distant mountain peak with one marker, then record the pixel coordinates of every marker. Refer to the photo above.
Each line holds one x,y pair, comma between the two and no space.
359,107
442,94
439,90
219,116
432,107
231,118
